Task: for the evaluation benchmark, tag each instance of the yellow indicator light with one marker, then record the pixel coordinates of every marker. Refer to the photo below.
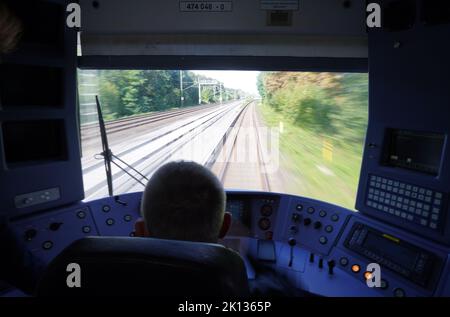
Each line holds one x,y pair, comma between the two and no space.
391,238
368,276
356,268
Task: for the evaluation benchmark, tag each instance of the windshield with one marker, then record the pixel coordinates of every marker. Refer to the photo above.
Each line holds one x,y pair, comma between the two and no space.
287,132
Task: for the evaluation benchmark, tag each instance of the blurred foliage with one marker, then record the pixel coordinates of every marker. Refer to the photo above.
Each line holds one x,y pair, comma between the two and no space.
325,119
128,92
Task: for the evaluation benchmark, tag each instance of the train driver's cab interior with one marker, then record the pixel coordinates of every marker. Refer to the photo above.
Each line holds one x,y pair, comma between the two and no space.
312,136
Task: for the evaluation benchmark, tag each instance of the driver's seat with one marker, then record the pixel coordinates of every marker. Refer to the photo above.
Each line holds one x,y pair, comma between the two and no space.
146,267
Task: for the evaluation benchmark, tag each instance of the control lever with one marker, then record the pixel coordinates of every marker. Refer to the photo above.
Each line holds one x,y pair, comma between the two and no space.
331,265
120,202
294,229
292,243
321,263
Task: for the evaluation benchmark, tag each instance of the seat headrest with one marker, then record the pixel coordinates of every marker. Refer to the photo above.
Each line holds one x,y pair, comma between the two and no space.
148,267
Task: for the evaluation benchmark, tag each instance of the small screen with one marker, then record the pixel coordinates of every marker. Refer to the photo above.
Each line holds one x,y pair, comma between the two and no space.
239,210
416,151
398,253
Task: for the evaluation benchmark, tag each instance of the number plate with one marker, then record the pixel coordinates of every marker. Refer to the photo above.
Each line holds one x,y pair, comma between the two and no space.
206,6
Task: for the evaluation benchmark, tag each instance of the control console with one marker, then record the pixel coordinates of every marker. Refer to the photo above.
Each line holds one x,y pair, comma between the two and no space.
320,247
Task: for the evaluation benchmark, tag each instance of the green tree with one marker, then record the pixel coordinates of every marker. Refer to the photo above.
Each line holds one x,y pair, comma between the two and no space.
128,92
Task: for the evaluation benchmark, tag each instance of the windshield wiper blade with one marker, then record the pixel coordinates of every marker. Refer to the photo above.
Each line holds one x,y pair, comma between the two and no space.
109,156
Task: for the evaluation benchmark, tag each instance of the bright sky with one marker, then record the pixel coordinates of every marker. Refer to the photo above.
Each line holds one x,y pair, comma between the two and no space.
244,80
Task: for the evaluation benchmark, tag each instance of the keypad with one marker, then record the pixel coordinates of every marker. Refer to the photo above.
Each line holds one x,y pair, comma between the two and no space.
409,202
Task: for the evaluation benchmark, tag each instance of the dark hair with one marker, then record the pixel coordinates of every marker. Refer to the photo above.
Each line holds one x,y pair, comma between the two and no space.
184,201
10,29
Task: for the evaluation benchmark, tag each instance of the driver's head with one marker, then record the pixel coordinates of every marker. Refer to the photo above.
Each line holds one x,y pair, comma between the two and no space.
184,201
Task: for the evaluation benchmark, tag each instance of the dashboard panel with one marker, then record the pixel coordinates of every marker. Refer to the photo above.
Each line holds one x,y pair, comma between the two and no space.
312,243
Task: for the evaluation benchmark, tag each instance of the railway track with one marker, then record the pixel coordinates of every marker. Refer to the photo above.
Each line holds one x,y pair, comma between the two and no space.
148,153
91,164
233,146
91,130
264,176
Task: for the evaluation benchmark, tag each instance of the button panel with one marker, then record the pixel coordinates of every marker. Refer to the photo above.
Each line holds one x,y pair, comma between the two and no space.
313,224
36,198
412,203
49,233
115,216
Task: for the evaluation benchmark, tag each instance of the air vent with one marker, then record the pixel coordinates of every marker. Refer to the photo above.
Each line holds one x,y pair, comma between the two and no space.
279,18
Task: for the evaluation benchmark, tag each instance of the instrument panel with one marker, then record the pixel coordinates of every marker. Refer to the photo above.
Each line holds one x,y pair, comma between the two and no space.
322,248
252,215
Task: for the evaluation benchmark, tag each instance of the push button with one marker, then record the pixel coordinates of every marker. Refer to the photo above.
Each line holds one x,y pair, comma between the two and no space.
343,261
81,214
335,218
323,240
311,210
47,245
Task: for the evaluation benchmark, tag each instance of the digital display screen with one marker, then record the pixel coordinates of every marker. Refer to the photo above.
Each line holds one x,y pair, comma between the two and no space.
241,217
395,252
416,151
